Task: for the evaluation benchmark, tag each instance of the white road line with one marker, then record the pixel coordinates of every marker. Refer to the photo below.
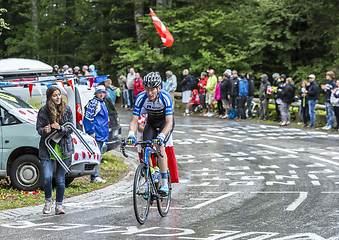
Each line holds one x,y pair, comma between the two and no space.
213,200
224,138
293,206
325,160
277,148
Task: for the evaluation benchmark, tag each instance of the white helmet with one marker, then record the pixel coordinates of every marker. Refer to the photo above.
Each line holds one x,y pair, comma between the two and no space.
152,80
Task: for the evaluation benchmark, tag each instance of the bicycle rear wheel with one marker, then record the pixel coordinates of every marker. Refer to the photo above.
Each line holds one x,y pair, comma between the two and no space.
163,203
141,193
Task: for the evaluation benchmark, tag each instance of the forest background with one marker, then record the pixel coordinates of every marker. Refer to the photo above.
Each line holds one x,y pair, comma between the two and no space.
295,37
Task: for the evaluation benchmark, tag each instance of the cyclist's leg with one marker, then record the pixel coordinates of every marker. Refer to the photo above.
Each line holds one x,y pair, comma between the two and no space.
163,160
149,134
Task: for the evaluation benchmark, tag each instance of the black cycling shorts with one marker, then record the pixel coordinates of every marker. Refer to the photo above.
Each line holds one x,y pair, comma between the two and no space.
152,130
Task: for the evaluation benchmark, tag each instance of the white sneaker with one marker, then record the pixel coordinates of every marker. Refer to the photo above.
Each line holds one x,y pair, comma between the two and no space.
325,128
210,114
225,116
99,180
48,207
329,127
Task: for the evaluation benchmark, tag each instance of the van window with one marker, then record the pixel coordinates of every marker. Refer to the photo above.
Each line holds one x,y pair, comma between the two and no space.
13,100
7,118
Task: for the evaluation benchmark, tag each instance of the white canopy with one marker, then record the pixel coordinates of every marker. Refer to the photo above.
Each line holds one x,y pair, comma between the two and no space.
20,66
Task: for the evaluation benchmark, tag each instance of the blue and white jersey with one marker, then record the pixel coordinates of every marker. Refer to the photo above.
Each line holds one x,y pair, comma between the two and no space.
158,110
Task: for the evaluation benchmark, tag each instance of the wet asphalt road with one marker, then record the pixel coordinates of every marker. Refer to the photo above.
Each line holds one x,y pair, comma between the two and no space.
238,180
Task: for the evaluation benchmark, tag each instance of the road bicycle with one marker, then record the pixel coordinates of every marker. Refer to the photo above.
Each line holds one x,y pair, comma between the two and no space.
146,185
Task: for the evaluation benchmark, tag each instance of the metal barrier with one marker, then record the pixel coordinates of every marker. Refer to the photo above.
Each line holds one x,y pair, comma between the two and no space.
56,137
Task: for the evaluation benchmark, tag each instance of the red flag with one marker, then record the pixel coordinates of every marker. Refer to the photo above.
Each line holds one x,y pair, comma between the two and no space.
70,82
30,88
166,37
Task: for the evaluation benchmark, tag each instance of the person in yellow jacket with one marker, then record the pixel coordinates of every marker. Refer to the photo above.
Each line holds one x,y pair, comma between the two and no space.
210,91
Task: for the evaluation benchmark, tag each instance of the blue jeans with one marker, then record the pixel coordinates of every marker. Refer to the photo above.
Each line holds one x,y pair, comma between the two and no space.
249,106
100,145
130,98
329,114
124,98
311,108
47,170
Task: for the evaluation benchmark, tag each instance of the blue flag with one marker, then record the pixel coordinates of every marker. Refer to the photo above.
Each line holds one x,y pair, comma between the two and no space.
99,80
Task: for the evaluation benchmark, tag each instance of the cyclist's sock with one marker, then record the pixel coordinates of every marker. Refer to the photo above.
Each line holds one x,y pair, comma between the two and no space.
164,180
187,110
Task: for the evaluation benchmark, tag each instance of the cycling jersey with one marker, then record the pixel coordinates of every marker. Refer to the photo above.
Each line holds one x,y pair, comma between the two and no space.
158,110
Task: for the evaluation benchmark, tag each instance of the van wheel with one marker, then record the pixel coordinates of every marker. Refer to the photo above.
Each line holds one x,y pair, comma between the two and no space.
26,173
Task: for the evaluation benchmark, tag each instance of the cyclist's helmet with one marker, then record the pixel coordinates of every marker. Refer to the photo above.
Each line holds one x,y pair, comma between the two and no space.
152,80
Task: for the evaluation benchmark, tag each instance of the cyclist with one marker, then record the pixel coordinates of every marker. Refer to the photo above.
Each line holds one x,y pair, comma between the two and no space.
160,123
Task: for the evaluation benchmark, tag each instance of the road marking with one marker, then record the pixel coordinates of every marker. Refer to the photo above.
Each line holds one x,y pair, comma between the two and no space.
277,148
293,206
214,200
325,160
224,138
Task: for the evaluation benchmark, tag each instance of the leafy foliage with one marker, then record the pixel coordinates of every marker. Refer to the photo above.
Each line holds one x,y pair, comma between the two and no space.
295,37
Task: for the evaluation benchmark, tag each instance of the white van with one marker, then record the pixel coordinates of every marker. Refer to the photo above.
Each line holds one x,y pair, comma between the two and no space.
20,161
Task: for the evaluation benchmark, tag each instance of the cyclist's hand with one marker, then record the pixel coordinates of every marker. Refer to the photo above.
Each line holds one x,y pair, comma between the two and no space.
160,139
131,138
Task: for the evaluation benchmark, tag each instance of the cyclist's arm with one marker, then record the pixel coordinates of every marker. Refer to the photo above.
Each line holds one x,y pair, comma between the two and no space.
169,125
133,124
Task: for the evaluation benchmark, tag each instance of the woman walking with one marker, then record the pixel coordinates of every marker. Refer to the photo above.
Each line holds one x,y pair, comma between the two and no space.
51,117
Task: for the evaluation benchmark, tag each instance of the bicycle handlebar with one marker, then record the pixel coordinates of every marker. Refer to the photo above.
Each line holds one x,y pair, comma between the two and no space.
143,144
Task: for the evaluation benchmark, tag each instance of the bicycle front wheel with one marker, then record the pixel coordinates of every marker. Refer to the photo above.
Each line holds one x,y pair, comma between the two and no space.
163,203
141,193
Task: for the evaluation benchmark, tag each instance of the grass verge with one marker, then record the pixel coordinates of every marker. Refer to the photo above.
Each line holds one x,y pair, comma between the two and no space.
112,169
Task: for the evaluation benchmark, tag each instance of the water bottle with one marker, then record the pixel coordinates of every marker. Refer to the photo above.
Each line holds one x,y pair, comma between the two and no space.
156,174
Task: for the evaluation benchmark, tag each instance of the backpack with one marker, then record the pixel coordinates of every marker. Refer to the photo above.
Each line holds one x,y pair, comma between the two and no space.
233,113
192,83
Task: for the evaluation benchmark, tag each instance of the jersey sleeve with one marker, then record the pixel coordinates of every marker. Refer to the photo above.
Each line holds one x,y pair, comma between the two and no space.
167,100
139,102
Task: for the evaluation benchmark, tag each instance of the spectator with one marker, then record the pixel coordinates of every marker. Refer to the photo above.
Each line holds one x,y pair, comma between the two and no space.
210,88
51,117
304,103
194,103
277,84
129,83
123,89
111,91
335,102
264,98
243,91
186,89
65,69
92,71
250,96
70,71
138,87
56,70
234,89
225,88
77,72
287,98
202,92
96,123
85,70
171,84
217,97
312,95
327,88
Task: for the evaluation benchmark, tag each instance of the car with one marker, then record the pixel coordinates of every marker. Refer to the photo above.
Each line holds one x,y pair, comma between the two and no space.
19,147
19,156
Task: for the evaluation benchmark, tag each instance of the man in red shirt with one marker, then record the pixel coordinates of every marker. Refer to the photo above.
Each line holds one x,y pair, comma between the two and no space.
138,87
202,92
